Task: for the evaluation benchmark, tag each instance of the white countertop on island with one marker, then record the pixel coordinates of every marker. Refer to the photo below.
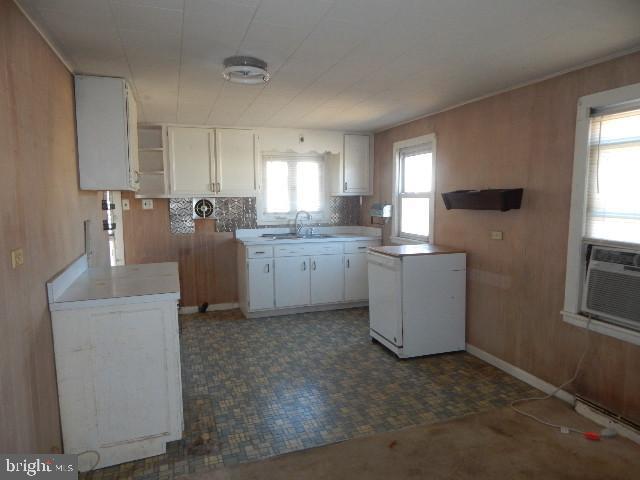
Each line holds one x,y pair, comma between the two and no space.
79,286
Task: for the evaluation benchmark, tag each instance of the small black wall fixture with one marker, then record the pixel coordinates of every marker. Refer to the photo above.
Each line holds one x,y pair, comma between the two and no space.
502,199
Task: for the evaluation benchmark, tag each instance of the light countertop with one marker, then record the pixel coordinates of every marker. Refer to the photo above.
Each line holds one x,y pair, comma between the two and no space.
110,285
337,234
409,250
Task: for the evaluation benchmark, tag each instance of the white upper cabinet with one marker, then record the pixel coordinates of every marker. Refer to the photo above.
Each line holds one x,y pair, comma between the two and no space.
357,164
351,171
107,134
235,162
207,161
192,160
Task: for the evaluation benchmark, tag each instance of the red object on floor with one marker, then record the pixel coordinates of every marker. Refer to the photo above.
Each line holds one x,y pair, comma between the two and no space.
592,436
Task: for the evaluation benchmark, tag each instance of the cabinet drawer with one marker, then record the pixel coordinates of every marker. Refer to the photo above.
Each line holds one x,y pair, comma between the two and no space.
289,250
360,246
259,251
334,248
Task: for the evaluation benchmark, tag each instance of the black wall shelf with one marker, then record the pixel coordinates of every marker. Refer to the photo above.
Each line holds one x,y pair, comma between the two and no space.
502,199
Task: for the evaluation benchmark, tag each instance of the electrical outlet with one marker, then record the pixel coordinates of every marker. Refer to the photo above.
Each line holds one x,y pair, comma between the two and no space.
17,257
147,204
496,235
125,204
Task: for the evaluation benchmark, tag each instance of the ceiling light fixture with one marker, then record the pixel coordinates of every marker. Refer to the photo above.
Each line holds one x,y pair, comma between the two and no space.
247,70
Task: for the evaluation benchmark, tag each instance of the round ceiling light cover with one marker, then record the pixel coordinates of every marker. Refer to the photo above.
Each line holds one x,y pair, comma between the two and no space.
247,70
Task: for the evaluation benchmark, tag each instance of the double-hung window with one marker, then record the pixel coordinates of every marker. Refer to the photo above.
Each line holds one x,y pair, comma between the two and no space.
613,191
292,183
414,189
605,213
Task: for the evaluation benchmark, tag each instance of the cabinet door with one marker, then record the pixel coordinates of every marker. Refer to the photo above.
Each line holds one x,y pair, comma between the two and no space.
327,279
131,376
292,281
260,273
357,164
235,162
103,143
191,160
355,277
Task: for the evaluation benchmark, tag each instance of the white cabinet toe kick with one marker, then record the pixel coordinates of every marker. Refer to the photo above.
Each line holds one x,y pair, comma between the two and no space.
280,279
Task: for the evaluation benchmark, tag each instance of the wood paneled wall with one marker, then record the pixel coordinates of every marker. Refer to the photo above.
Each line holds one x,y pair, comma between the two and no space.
207,258
522,138
42,211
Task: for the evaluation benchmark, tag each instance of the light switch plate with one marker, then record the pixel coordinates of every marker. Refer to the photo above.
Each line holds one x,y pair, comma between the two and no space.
125,204
496,235
147,204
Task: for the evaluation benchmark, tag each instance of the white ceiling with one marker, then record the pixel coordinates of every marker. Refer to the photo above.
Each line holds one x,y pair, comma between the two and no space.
343,64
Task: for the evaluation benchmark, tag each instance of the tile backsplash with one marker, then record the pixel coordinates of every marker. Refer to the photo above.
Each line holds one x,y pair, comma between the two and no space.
231,213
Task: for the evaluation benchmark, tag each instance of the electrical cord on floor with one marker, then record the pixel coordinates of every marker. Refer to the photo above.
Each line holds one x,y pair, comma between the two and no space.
563,428
96,453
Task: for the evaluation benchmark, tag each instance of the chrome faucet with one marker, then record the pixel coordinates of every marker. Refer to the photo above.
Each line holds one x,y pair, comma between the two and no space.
299,227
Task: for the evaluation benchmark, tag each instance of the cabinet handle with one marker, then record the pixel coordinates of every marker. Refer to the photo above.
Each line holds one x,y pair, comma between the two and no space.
268,268
212,187
345,186
258,253
313,265
218,187
304,266
348,264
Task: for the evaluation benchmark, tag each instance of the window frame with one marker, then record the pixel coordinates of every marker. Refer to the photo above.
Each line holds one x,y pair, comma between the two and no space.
398,149
267,218
576,242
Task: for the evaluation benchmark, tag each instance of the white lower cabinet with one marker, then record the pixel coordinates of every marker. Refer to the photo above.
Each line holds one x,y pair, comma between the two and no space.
292,281
260,283
327,279
290,275
355,277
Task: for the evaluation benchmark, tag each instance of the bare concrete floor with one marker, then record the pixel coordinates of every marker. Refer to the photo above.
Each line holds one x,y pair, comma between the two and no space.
495,445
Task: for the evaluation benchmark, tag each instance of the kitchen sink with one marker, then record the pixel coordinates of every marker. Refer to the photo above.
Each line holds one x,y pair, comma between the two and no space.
293,236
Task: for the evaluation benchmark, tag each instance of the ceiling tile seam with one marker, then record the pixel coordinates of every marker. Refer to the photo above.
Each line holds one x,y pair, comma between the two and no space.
155,7
184,7
330,67
559,73
273,75
244,36
126,57
346,89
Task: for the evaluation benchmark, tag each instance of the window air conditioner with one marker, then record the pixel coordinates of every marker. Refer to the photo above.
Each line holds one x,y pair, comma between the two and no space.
612,286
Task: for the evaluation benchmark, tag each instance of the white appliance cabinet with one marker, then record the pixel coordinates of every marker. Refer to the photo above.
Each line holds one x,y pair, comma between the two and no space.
278,278
212,161
417,297
106,119
117,360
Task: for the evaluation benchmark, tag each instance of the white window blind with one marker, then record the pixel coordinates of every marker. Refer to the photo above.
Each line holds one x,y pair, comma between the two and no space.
415,191
613,195
293,183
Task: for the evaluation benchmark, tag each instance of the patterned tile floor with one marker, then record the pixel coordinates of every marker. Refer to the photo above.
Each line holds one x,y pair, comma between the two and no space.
263,387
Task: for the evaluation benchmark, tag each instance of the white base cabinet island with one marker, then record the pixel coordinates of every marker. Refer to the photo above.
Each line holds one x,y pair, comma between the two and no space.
117,360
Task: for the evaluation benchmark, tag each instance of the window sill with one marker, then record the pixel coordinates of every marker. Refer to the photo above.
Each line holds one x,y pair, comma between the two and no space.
621,333
407,241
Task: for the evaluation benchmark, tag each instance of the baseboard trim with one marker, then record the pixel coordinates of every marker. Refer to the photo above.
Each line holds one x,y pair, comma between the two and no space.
607,421
520,374
211,308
